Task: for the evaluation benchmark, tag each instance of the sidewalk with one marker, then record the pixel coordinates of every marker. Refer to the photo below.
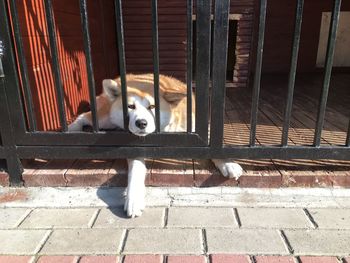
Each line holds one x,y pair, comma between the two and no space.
188,225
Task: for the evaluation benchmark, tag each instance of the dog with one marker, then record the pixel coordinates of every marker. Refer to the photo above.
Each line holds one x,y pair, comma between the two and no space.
141,115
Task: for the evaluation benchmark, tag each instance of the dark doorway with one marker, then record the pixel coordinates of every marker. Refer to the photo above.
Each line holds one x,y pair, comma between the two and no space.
231,48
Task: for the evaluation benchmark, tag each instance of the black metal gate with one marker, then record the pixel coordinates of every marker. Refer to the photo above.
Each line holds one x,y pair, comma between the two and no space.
22,140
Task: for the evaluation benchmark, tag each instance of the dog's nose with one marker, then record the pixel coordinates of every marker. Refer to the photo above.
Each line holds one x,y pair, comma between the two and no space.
141,123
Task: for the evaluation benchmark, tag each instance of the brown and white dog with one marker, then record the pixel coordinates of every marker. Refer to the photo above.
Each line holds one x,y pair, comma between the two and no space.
141,113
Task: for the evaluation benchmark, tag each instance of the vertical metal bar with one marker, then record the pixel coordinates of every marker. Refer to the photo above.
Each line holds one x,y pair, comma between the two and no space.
56,65
347,143
10,73
221,24
328,71
13,163
89,66
155,49
203,11
189,63
292,72
121,56
257,76
23,68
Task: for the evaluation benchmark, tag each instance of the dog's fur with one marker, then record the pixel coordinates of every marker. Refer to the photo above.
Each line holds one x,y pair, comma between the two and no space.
141,113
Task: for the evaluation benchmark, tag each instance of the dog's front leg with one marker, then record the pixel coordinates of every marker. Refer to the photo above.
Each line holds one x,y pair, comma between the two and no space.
135,195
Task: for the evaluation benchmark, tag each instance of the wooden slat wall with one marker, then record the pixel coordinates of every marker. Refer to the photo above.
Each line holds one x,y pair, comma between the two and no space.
279,33
71,54
138,38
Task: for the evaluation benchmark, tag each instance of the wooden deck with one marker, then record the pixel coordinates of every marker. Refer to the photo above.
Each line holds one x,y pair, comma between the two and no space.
257,173
304,113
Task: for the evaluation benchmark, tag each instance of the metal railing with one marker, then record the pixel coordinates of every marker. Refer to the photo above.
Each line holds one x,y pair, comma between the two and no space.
22,140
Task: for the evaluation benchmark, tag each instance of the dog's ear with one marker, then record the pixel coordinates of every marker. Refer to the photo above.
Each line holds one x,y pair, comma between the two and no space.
174,97
110,88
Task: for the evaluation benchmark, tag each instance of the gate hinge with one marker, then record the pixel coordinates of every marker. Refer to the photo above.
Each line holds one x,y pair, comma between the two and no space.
2,75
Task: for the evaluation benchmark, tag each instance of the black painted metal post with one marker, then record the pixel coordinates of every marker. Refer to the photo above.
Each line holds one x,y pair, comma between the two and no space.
189,63
347,143
13,163
23,68
121,56
89,66
257,77
8,77
328,71
155,51
221,24
293,70
203,11
55,63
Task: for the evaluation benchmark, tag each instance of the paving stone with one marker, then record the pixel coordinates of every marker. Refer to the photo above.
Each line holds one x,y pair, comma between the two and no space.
347,260
331,218
16,259
319,260
186,259
164,241
99,259
115,218
319,242
11,217
274,259
21,242
83,242
273,218
201,217
245,241
58,259
227,258
58,218
143,259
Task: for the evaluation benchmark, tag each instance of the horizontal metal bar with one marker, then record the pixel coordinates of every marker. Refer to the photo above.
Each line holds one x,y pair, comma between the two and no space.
257,76
23,68
293,70
328,71
92,152
155,51
55,63
89,66
109,138
221,24
121,57
189,63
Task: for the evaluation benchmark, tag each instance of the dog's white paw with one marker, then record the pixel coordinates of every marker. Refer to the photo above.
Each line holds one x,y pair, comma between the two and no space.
229,169
134,203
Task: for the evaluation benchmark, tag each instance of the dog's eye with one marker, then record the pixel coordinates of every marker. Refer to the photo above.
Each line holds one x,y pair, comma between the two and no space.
151,107
131,106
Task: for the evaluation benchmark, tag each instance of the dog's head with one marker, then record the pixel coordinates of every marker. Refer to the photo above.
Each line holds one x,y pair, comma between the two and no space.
141,106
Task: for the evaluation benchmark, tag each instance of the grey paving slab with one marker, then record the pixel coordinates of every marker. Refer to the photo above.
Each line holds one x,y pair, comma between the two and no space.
319,242
11,217
273,218
21,242
201,217
116,218
331,218
248,241
83,242
58,218
164,241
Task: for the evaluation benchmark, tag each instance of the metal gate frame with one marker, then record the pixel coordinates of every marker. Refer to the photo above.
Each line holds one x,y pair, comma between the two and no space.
22,142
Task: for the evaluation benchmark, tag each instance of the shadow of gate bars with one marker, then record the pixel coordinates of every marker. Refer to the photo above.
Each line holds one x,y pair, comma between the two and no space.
21,139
